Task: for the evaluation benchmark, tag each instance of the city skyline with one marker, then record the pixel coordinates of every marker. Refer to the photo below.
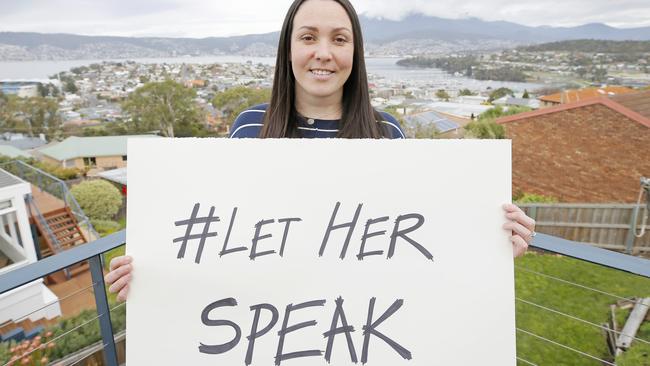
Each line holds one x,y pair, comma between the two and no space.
197,18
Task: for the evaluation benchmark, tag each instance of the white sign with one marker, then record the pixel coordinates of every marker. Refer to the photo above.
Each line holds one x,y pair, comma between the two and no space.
319,252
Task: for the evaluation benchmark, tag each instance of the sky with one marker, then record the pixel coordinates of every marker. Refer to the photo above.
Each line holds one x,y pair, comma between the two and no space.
217,18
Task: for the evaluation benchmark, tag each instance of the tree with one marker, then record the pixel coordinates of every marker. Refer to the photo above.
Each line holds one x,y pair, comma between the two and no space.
500,93
166,106
599,74
485,129
99,199
70,87
442,94
526,95
581,71
34,115
466,92
233,101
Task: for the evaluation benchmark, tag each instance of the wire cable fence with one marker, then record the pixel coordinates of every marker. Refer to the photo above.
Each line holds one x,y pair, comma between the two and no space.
563,303
571,312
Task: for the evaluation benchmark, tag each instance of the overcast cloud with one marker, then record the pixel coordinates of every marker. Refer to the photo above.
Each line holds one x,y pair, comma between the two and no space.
201,18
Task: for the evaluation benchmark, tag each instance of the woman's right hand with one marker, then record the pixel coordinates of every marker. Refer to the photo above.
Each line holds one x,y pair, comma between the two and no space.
119,276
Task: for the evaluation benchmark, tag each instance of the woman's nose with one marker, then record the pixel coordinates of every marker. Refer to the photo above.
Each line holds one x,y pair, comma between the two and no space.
323,52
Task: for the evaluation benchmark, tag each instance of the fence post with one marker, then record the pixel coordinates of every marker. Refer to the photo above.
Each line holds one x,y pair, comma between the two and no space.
631,234
103,310
533,212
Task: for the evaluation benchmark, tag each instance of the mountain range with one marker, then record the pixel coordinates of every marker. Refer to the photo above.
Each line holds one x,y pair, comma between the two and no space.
415,34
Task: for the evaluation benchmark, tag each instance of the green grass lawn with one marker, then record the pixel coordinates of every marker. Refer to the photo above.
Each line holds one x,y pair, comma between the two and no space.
584,304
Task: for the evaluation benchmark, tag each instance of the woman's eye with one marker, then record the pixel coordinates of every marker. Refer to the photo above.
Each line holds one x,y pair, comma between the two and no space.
340,40
307,38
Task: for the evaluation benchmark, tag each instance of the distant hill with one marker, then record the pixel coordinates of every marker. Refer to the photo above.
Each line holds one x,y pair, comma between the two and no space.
415,34
591,46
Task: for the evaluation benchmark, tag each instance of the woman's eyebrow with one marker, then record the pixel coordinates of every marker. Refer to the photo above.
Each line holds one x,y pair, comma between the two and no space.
315,29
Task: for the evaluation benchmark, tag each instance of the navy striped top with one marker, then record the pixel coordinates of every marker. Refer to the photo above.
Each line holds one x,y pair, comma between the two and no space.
249,123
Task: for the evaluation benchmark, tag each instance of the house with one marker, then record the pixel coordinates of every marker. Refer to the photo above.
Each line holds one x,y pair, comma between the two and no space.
12,152
590,151
22,142
97,152
34,300
446,126
580,95
509,101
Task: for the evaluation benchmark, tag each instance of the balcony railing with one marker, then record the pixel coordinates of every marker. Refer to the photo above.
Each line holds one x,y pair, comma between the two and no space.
93,251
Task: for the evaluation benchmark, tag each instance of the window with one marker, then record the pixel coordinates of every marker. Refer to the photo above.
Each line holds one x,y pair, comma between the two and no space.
90,161
69,163
123,157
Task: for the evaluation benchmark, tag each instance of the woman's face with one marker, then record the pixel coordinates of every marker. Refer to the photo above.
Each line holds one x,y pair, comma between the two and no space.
322,49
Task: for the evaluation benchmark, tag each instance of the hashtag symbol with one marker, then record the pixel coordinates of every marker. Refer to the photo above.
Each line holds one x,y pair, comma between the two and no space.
189,224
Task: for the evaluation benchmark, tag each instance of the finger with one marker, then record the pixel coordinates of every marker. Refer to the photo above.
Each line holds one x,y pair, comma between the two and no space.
120,261
518,229
123,294
116,274
519,246
523,219
119,284
509,207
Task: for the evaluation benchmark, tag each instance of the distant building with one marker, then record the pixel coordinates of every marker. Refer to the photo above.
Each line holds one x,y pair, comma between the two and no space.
97,153
22,142
509,101
446,126
12,152
458,109
590,151
25,88
19,89
581,95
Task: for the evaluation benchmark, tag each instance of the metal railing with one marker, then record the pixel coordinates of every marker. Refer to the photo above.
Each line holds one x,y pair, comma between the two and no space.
607,226
52,185
93,251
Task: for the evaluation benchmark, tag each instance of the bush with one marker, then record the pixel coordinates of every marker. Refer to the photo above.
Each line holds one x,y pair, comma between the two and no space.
85,332
485,129
98,199
106,227
533,198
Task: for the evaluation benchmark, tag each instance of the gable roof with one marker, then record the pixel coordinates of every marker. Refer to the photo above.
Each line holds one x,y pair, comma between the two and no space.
83,147
638,102
13,152
607,102
579,95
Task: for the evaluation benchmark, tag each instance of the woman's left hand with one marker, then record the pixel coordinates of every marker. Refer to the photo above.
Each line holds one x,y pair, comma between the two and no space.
522,228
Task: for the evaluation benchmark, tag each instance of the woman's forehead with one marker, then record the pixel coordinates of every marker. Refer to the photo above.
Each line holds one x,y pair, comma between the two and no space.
322,15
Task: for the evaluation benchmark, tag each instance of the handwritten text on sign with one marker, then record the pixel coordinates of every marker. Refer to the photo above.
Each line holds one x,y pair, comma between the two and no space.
318,262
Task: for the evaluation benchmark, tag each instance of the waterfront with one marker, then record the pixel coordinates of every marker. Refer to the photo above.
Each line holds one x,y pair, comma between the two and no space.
378,68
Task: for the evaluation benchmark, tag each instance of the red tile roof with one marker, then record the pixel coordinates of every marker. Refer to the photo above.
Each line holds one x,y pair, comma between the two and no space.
618,107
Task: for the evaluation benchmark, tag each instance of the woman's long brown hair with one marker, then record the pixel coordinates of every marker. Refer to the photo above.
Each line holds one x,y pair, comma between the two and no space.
359,119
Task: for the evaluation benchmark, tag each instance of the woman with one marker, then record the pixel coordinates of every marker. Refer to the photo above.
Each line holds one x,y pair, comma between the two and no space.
320,89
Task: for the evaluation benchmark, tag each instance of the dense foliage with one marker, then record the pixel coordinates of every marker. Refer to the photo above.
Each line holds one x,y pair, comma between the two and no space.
168,107
233,101
591,46
468,66
99,199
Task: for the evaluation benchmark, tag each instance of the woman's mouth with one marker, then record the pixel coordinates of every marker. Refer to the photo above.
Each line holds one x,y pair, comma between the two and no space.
321,74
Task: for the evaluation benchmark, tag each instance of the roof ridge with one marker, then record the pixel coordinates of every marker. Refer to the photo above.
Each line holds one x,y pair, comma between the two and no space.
633,115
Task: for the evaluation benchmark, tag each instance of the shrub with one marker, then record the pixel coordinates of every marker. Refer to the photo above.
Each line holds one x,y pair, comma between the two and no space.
99,199
533,198
106,227
485,129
